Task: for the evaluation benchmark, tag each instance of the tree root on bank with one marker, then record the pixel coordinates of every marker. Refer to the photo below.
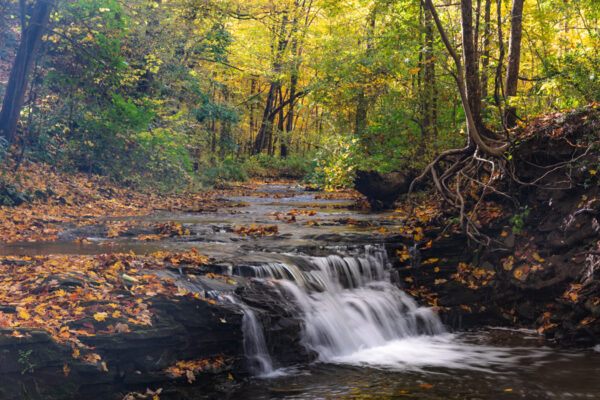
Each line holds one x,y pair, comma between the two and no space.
459,175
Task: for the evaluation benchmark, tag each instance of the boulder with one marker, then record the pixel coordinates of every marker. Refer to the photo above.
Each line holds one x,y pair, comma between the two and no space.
382,190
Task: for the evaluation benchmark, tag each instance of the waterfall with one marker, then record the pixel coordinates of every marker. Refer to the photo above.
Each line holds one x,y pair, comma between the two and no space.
347,303
255,347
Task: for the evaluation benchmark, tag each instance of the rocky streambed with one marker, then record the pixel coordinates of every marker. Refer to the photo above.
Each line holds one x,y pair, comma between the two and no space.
328,305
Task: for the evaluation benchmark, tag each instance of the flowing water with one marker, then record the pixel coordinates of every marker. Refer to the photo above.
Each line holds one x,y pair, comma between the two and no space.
371,339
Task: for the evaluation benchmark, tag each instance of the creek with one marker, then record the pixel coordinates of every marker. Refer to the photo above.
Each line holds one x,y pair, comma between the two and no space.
364,336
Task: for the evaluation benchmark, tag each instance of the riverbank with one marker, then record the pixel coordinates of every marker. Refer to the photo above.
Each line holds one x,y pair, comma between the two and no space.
539,270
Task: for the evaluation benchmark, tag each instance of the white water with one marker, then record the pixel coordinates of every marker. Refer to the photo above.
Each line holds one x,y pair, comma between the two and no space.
255,346
353,315
348,305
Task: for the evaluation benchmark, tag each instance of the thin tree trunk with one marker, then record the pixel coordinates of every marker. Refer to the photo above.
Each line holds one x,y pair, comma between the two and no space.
251,124
498,92
429,121
281,128
31,39
471,63
362,106
264,137
485,56
514,60
290,117
266,126
474,133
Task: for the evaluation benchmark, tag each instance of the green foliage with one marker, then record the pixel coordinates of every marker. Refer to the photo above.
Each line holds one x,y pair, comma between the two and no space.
336,163
263,165
25,361
518,220
228,170
144,91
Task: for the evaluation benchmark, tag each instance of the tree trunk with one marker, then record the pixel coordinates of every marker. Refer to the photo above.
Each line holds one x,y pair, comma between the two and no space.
251,111
264,138
266,126
281,128
290,116
514,60
498,78
471,61
31,39
429,120
362,106
475,134
485,56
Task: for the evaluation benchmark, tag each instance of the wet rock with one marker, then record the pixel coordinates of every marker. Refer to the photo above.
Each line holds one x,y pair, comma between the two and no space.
281,321
36,367
382,190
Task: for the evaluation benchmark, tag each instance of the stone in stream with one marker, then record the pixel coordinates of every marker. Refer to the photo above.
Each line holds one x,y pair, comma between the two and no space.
382,190
36,367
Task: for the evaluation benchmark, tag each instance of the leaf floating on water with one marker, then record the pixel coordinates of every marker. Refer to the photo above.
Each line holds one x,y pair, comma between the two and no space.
129,278
190,376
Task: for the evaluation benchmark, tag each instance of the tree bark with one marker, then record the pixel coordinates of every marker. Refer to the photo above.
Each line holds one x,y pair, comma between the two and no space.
31,38
474,133
429,120
514,60
266,126
485,56
362,106
471,61
264,138
290,116
498,92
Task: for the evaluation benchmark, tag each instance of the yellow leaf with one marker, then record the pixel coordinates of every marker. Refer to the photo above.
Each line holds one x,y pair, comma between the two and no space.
75,353
23,314
518,273
101,316
66,369
508,264
537,257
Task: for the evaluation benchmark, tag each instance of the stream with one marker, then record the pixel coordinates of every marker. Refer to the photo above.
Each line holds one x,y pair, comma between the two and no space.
370,339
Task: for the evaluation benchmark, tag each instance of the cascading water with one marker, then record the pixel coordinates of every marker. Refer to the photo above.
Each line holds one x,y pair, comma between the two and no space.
255,347
351,313
348,304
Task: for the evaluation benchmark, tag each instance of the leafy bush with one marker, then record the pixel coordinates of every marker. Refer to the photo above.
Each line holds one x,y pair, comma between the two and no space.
294,166
227,170
336,163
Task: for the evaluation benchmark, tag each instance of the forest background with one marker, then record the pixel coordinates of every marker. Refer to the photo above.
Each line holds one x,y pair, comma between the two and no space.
180,94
